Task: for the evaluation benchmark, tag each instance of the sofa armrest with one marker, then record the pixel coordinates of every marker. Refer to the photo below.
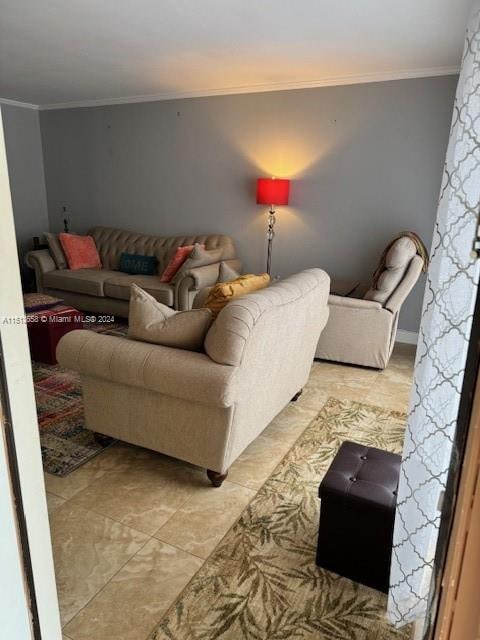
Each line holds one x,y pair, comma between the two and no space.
353,303
194,280
173,372
41,262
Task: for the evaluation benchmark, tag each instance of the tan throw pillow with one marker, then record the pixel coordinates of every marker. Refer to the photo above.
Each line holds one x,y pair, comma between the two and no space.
152,321
226,273
56,250
222,293
199,257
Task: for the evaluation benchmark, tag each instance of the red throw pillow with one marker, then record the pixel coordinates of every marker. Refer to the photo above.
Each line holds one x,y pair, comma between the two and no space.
80,251
176,261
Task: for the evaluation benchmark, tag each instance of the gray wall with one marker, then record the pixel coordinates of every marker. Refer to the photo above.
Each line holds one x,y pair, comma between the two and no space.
26,173
366,162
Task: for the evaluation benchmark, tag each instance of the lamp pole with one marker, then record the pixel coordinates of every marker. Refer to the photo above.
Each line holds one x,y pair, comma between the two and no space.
270,235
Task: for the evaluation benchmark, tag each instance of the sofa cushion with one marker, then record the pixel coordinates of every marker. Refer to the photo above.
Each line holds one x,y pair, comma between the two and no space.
118,286
152,321
88,281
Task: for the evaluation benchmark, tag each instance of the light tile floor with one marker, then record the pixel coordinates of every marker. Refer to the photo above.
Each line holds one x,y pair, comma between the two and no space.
131,527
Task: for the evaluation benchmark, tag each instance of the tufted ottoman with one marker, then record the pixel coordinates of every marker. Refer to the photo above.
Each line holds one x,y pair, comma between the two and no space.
358,498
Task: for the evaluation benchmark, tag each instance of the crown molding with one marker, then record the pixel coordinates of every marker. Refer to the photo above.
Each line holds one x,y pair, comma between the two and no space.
382,76
17,103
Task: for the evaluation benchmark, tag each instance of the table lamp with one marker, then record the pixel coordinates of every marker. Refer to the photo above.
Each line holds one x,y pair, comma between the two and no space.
272,191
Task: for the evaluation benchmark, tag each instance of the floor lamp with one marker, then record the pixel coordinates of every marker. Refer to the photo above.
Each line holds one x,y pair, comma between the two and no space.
272,191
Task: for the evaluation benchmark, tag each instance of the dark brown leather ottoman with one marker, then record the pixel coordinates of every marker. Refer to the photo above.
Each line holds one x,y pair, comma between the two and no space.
358,497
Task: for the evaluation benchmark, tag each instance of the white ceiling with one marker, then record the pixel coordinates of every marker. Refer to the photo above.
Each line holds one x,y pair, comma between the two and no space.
104,51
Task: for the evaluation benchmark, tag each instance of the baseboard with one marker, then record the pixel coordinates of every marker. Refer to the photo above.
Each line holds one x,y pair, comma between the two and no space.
407,337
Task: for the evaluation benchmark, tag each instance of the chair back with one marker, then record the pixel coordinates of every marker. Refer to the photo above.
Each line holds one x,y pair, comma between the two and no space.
400,261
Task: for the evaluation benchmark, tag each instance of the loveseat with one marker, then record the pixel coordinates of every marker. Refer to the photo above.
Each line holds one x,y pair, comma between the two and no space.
107,290
205,408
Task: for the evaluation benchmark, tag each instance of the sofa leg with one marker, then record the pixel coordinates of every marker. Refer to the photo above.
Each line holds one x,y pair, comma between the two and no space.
216,478
296,396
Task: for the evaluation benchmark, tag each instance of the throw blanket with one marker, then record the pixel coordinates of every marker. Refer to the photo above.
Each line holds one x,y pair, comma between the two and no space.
421,251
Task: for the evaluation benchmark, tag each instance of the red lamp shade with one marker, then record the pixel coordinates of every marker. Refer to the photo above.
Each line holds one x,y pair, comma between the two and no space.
272,191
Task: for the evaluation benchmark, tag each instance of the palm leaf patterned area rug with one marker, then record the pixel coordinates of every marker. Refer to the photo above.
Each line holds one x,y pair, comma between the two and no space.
261,582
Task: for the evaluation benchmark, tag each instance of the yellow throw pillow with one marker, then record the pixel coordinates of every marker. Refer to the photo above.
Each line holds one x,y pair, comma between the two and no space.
223,292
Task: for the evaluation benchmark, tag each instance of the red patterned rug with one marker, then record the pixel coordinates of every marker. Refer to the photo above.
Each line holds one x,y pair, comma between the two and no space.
65,441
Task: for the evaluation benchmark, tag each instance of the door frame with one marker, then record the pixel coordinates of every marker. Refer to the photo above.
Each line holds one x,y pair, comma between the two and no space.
459,615
21,441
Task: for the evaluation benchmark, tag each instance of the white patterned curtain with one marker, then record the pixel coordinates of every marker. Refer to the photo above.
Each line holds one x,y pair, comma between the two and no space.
442,350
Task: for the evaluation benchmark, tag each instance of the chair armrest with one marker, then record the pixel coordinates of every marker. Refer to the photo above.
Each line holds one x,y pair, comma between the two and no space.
359,333
41,262
173,372
208,275
353,303
201,276
198,278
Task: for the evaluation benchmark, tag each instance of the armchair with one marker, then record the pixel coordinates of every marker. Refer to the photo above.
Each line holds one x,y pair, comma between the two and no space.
363,331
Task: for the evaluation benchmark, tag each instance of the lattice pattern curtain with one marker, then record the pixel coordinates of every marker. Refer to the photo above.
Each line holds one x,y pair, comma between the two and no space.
443,341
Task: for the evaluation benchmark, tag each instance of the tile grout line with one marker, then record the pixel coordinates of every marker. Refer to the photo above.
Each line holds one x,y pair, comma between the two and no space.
154,535
150,539
77,469
181,504
108,582
99,513
55,494
170,544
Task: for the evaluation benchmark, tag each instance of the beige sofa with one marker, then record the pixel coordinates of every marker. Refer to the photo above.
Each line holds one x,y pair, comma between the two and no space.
362,331
107,290
205,408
